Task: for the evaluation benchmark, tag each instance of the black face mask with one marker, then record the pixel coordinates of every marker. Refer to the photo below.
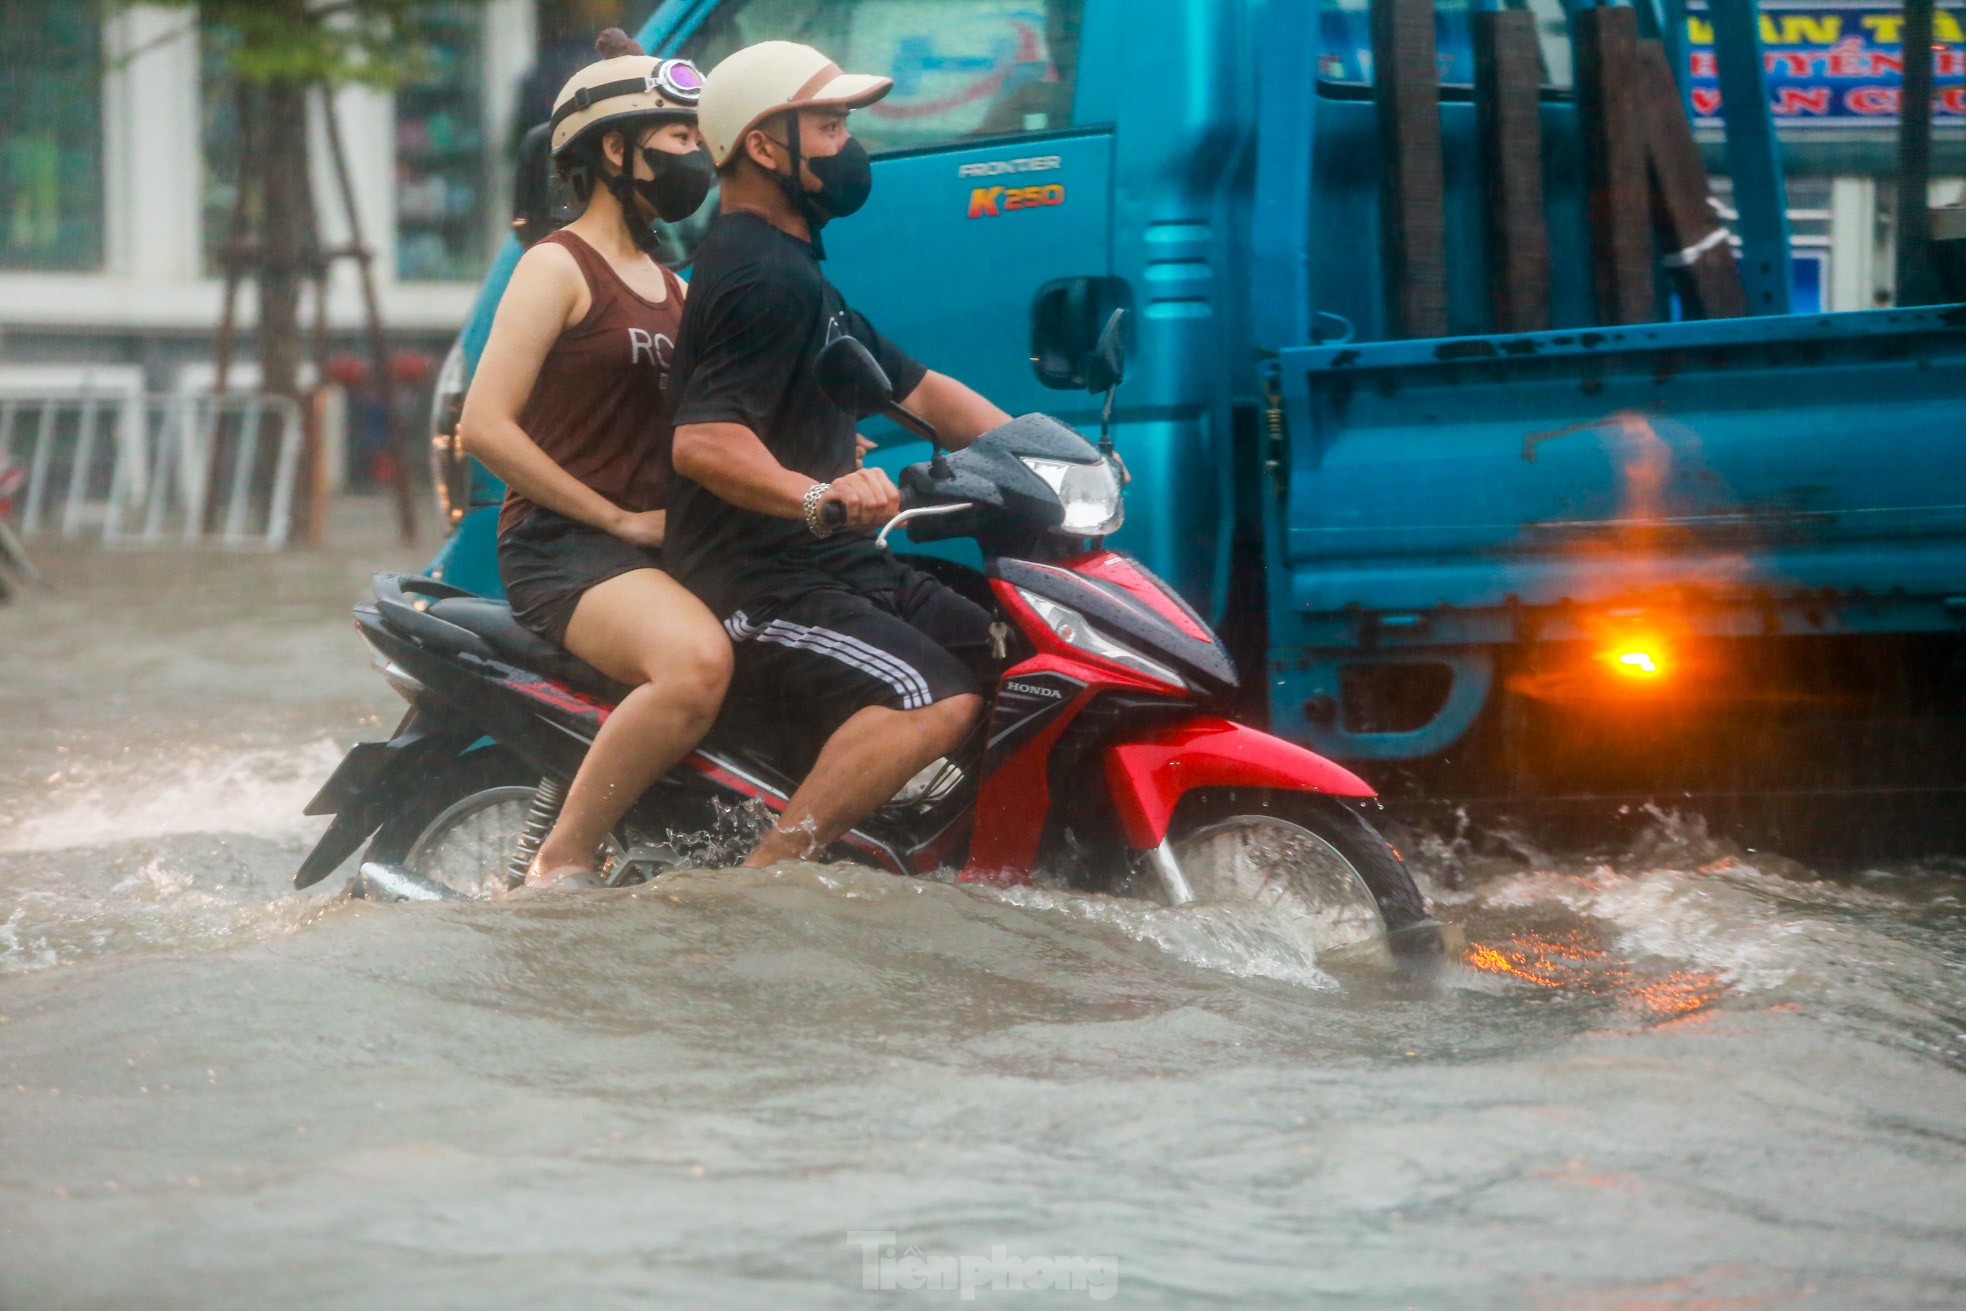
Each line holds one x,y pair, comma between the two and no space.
845,179
680,183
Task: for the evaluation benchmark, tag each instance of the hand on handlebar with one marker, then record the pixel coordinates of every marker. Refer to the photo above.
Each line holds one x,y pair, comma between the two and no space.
867,498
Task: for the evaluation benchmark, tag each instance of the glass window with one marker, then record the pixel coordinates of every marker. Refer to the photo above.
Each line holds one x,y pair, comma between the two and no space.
50,135
219,139
443,170
961,68
1346,56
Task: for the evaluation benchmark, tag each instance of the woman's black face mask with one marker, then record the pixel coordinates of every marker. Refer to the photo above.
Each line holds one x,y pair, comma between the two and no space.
679,184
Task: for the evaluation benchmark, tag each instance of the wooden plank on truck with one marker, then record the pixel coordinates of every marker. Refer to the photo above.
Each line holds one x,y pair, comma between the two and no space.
1509,126
1699,255
1614,164
1412,189
1917,280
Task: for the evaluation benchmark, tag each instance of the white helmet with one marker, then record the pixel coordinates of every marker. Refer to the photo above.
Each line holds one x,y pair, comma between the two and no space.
610,92
771,77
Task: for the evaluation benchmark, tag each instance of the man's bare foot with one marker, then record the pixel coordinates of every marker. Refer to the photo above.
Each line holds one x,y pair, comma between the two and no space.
780,844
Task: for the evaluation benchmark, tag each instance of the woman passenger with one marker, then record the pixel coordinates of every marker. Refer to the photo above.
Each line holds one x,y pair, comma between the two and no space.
564,407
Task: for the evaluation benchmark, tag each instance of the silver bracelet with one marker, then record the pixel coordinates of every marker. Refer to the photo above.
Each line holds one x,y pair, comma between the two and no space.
814,495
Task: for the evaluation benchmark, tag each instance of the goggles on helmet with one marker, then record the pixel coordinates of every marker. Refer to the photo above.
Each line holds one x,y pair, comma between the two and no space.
678,80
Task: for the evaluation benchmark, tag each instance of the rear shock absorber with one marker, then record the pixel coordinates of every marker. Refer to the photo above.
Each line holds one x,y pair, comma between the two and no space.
547,798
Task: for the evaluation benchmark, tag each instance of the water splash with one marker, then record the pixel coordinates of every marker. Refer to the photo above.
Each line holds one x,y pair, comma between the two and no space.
1247,941
214,789
186,853
172,900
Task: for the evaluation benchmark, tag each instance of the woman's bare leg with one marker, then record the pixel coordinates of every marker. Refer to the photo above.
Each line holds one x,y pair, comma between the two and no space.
644,628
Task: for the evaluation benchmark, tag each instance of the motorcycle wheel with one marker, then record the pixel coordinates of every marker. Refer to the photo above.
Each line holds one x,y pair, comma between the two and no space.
1308,857
460,829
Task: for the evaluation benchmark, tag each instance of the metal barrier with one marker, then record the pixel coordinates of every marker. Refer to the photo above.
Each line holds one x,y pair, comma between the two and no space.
145,470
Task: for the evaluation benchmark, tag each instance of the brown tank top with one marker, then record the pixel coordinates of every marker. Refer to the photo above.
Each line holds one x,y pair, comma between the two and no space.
596,407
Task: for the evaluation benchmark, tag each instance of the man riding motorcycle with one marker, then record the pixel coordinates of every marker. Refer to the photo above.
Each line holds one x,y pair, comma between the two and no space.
871,668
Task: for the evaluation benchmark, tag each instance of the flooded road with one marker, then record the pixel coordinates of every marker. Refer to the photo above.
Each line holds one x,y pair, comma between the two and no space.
1681,1077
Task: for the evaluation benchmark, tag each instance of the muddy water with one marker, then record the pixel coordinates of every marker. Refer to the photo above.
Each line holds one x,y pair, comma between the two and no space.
1678,1077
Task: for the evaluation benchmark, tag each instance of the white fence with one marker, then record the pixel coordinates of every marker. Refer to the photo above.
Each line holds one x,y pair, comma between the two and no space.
102,457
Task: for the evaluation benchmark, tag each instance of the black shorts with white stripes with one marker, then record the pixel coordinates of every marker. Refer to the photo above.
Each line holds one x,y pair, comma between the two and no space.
811,663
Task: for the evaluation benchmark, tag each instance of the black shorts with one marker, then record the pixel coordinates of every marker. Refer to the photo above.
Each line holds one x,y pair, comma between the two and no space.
809,664
547,560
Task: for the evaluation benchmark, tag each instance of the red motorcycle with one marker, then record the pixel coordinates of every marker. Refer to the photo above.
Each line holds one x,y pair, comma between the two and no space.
1104,760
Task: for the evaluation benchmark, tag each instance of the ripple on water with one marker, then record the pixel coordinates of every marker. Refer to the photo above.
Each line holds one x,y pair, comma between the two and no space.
1684,1075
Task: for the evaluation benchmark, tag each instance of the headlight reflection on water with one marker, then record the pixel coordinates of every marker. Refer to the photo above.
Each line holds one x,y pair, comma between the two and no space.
1572,961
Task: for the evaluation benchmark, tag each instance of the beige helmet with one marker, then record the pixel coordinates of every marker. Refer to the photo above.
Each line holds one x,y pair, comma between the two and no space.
770,77
627,86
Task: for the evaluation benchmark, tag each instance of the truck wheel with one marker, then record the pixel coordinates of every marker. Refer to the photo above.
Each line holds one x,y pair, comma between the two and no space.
1310,857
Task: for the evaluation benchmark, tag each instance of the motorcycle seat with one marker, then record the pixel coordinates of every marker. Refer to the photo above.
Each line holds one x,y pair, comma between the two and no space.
514,643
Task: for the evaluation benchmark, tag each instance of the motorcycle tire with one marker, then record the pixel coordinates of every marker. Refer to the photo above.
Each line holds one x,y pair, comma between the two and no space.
465,788
1316,852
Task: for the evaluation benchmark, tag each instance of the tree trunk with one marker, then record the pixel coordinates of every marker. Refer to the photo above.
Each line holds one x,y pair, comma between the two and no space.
284,234
284,258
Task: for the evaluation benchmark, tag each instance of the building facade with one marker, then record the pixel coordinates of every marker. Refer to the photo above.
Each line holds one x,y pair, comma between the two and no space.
119,151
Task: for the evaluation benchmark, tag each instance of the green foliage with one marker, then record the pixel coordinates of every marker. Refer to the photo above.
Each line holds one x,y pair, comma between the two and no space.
379,42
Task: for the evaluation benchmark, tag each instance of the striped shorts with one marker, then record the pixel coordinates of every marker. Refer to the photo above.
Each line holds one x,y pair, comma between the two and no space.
809,664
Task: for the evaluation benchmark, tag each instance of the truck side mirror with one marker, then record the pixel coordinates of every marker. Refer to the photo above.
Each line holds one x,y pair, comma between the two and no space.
1069,317
852,378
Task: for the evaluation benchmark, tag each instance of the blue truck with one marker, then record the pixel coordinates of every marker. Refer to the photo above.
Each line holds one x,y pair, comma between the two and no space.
1717,563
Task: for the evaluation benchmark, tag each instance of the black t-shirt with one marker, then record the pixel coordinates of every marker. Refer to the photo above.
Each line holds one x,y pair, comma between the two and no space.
758,313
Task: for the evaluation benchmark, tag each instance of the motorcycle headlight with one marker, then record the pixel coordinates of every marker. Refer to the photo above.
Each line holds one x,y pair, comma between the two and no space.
1089,492
1072,628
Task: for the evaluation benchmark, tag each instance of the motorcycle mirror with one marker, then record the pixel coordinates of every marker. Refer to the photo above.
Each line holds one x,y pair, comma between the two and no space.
1107,368
1067,315
540,204
1105,371
853,379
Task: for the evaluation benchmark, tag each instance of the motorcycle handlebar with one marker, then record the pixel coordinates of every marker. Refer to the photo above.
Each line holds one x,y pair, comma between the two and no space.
832,514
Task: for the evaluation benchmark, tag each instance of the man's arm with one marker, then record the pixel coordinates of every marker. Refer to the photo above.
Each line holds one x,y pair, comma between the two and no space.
958,413
731,462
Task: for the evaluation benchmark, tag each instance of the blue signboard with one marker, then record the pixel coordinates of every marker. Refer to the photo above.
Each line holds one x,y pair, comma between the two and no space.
1839,65
1345,31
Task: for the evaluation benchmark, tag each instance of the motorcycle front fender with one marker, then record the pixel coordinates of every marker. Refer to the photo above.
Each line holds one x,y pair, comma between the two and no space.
1147,776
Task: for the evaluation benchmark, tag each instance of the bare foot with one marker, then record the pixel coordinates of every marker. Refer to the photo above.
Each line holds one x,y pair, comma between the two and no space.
780,844
562,878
